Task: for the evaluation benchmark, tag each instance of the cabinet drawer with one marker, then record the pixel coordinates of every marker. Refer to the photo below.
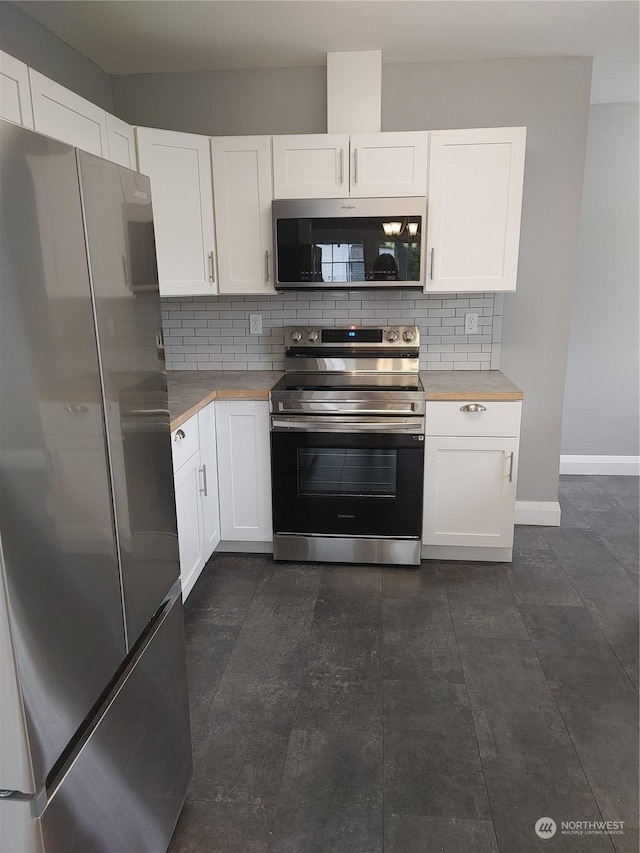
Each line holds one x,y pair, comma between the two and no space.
456,418
184,442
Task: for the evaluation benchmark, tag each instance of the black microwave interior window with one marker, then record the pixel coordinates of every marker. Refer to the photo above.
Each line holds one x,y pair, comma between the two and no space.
346,249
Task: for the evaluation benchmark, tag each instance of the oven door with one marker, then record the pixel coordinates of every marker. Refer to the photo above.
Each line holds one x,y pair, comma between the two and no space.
330,478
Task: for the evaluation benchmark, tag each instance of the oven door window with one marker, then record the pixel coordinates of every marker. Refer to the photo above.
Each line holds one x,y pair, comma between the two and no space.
347,472
347,484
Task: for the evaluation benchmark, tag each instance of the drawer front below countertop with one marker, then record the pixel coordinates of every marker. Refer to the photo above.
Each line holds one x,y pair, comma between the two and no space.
448,418
184,442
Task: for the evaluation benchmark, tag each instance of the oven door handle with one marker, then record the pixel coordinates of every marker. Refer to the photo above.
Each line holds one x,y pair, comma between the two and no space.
351,425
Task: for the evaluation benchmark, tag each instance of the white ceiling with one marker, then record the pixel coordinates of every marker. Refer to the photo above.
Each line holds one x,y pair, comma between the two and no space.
147,36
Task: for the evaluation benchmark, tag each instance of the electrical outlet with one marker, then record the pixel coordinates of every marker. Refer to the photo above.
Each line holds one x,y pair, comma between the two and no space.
255,324
470,324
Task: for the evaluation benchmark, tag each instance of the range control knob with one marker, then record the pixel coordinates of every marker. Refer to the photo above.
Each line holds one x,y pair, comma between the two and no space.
296,336
312,336
392,336
408,335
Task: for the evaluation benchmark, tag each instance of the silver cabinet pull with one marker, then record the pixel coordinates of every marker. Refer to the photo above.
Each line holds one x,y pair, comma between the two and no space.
432,261
473,407
266,264
511,467
211,273
355,165
76,409
203,471
179,435
341,179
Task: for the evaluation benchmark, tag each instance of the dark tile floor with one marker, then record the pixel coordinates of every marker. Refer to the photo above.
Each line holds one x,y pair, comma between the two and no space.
355,709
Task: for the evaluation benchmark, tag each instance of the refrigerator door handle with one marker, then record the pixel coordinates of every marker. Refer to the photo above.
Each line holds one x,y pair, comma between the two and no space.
160,343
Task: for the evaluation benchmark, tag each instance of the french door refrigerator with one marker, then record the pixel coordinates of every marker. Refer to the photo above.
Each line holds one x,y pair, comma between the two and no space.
95,751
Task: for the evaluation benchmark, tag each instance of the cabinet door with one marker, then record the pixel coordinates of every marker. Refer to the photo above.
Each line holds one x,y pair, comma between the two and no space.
15,91
389,164
311,166
209,479
244,470
122,143
189,519
469,491
242,202
66,116
179,166
475,202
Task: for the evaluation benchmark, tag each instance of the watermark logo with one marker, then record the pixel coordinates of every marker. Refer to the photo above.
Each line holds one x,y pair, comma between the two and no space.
546,827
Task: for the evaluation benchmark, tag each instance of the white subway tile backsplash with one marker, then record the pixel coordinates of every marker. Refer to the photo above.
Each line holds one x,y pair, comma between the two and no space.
213,332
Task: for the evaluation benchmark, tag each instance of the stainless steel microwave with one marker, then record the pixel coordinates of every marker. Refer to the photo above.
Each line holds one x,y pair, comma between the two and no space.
349,243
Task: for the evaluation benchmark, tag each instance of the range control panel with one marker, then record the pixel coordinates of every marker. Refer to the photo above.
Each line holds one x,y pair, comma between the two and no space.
352,336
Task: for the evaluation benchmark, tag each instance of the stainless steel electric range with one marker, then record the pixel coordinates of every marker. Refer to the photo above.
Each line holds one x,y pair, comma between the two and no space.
347,446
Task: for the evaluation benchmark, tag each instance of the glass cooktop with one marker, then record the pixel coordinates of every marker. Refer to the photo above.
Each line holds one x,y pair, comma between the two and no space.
349,382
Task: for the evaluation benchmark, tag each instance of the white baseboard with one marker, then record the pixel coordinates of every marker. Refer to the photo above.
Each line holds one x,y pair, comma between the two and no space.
617,465
544,513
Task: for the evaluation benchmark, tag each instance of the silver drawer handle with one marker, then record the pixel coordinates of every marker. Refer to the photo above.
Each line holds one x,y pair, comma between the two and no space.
74,409
473,407
179,435
204,489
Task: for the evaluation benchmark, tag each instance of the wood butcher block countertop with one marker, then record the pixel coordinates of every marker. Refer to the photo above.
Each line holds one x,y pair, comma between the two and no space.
469,386
191,390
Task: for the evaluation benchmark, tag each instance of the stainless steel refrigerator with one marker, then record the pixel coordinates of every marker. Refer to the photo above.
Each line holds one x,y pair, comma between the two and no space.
95,751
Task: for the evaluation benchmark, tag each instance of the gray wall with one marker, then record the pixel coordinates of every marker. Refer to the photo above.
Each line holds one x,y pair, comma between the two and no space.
601,400
33,44
219,103
549,96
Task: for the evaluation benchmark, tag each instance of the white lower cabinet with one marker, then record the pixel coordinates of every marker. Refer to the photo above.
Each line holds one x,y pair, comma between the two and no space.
209,472
196,491
471,464
244,470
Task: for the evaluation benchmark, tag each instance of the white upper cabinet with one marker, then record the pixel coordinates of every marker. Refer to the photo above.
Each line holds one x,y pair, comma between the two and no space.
242,203
179,166
389,164
475,203
311,166
365,165
66,116
122,142
15,92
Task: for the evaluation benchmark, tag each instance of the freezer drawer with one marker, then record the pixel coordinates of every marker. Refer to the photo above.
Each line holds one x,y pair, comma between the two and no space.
125,789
